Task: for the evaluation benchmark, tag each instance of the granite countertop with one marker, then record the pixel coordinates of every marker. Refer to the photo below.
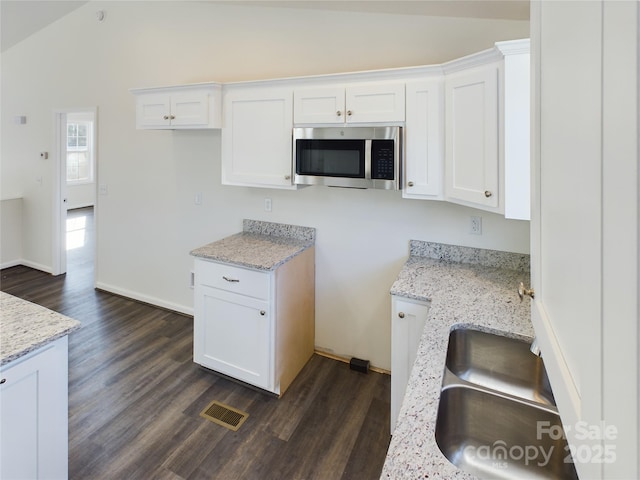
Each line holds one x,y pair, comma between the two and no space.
465,286
25,327
260,245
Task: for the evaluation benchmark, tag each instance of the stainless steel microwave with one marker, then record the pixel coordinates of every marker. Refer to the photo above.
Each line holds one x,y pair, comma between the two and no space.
351,157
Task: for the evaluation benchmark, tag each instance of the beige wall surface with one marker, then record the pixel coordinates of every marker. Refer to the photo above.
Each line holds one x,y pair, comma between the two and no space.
147,222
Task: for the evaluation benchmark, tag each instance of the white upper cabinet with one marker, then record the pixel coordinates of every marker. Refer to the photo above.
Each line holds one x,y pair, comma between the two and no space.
516,99
472,134
424,140
487,131
256,137
181,107
371,103
319,105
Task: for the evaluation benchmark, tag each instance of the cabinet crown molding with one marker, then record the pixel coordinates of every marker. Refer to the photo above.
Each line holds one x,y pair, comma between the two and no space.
176,88
514,47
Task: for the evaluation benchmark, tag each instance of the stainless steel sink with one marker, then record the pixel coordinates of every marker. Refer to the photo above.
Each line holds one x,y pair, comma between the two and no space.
500,363
497,418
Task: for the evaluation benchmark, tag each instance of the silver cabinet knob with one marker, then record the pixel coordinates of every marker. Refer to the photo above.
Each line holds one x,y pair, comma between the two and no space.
166,117
287,177
349,113
172,117
401,314
339,113
263,313
410,184
487,193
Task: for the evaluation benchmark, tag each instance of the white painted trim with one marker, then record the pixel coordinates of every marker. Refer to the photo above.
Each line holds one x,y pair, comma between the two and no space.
473,60
59,257
514,47
172,88
58,241
30,264
11,263
144,298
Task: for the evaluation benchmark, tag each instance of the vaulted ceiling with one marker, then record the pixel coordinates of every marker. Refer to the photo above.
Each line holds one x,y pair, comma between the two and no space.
21,18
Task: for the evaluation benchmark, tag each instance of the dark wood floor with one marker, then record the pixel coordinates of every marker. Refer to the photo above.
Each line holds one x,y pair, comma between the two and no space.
135,396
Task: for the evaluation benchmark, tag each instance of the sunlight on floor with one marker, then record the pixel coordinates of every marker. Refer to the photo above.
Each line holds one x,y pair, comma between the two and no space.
76,232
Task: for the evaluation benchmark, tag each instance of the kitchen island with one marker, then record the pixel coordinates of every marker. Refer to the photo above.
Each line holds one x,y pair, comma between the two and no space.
464,287
33,390
255,304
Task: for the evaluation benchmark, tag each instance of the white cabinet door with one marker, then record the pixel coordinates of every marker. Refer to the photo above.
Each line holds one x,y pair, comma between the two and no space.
257,138
375,103
472,134
319,105
424,140
407,323
189,109
34,414
153,111
233,335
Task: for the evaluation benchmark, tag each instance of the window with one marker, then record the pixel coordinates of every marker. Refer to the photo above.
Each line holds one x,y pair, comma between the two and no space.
79,151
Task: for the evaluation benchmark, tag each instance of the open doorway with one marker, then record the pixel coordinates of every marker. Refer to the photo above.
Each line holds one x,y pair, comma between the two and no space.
75,195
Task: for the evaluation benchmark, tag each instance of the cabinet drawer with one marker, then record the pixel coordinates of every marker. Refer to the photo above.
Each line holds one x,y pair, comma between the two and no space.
239,280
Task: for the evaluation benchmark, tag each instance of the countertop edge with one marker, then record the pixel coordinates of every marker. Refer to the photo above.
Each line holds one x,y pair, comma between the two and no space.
27,326
38,345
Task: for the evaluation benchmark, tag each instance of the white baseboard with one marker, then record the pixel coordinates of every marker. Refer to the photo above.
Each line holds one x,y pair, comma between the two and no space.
10,264
27,263
145,298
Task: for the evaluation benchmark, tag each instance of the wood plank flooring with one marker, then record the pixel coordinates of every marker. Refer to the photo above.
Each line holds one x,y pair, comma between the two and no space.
135,396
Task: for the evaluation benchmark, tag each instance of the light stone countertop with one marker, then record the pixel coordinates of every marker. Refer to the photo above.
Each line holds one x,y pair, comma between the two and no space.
481,292
25,327
260,245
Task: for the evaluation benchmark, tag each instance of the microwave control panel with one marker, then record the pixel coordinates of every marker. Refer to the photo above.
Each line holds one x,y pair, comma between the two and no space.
382,159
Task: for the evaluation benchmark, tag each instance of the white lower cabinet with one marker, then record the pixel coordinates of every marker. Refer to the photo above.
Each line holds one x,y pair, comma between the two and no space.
244,349
408,318
34,414
255,326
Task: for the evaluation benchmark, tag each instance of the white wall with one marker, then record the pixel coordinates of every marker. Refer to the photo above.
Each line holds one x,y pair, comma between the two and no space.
147,223
10,232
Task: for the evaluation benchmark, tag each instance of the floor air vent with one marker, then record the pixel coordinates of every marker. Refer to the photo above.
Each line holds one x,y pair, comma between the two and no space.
224,415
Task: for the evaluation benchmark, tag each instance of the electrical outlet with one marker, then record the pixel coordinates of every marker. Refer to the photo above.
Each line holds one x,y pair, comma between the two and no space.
267,204
475,225
197,199
192,279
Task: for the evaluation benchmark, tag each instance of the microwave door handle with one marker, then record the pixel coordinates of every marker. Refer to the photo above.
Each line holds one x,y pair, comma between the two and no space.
367,159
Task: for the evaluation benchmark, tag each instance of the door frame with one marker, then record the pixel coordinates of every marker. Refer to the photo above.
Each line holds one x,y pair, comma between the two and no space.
59,190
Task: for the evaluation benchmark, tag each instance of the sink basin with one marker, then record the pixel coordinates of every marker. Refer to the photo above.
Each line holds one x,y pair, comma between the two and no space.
497,417
499,363
494,437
